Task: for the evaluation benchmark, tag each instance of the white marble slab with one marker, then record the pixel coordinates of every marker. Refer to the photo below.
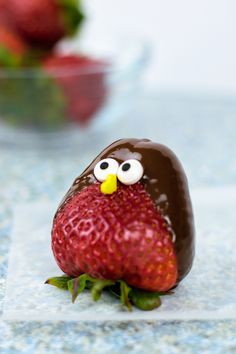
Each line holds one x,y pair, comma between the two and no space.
209,292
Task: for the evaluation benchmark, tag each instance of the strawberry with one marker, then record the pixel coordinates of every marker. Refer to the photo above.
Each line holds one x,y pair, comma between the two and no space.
82,81
120,237
4,16
12,48
44,22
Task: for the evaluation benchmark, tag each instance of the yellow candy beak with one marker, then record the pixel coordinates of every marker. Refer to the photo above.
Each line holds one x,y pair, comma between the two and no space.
109,186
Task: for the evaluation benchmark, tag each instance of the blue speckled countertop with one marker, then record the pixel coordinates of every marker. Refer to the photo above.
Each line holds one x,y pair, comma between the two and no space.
202,132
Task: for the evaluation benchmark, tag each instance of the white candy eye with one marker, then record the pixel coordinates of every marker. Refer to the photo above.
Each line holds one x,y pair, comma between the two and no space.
104,168
130,172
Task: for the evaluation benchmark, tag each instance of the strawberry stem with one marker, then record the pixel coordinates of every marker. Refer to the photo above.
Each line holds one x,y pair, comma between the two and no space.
124,294
77,285
98,286
144,300
59,282
84,281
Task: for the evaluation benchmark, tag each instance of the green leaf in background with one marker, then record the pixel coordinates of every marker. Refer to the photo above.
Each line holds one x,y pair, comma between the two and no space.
125,294
73,15
84,281
98,287
31,101
8,59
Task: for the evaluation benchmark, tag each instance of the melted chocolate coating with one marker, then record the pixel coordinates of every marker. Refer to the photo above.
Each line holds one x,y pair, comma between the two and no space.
165,181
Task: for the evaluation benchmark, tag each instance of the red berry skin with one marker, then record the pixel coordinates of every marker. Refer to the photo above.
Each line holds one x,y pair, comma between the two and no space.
11,40
4,15
82,80
38,21
13,45
118,236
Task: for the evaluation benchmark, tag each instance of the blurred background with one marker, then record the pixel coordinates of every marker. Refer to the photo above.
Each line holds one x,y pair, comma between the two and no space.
76,75
192,43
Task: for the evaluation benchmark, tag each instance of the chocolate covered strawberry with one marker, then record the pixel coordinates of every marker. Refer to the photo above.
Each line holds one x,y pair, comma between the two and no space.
44,22
82,80
118,229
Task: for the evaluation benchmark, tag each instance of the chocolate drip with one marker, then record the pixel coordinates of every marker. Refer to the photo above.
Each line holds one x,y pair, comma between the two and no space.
165,181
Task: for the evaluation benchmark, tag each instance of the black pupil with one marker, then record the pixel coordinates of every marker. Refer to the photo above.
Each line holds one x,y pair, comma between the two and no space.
126,167
104,165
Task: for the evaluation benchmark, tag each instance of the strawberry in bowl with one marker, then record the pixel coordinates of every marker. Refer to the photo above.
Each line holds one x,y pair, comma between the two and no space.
44,22
12,48
83,82
56,90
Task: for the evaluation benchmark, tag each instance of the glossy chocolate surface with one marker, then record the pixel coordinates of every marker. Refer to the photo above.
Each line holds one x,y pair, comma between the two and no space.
165,181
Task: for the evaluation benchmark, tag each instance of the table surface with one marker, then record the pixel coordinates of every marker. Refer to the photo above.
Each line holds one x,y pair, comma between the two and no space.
202,132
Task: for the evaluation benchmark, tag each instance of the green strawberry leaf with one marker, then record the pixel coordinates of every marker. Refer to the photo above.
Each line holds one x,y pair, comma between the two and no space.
76,286
84,281
145,300
98,287
8,59
59,282
125,294
72,15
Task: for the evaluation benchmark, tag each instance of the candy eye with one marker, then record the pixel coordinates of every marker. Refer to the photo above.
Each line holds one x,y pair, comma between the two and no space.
130,172
104,168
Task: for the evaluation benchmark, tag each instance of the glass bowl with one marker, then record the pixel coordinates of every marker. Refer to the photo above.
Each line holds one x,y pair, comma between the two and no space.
58,107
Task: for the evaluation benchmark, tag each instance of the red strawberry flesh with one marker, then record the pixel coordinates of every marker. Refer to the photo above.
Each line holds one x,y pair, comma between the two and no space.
120,236
11,41
82,80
